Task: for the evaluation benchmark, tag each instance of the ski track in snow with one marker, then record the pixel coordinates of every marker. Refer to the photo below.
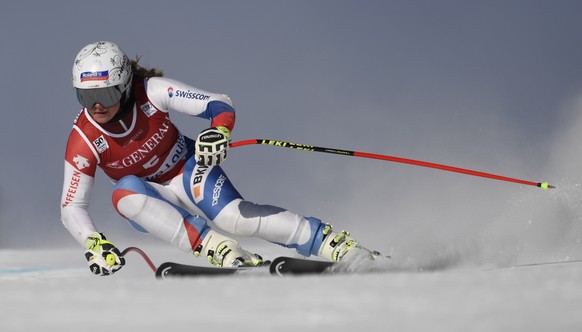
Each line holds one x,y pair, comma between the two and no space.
53,290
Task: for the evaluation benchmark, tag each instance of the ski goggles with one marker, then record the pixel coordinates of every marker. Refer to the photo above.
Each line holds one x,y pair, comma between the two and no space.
105,96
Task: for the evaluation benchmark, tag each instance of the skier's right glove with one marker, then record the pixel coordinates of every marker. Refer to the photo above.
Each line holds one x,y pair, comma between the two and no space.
102,256
212,145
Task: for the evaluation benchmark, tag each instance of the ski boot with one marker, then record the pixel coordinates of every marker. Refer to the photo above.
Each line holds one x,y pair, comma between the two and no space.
222,251
340,247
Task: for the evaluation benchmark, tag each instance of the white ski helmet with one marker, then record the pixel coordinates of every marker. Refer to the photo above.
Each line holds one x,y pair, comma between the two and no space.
101,74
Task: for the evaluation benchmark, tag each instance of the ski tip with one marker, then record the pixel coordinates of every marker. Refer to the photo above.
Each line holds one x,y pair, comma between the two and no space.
164,270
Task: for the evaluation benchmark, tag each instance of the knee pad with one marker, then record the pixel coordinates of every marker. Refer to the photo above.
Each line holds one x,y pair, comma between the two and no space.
130,195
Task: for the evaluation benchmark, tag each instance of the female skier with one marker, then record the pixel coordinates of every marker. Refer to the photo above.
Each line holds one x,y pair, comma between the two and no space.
167,184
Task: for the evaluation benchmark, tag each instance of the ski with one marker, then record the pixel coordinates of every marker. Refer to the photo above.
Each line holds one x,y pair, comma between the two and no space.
170,269
282,266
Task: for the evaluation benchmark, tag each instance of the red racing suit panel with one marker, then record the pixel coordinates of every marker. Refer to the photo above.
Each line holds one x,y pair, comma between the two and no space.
151,148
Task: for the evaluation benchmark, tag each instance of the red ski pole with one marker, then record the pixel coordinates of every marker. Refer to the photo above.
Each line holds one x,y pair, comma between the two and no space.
142,254
543,185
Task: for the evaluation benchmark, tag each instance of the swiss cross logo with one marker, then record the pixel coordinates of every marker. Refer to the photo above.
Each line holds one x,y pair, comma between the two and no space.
81,162
101,144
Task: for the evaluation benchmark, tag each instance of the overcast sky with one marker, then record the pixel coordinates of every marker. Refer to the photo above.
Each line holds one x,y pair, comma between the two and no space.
486,85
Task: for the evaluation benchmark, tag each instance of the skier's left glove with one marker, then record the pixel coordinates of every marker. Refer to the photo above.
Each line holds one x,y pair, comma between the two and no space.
102,256
212,145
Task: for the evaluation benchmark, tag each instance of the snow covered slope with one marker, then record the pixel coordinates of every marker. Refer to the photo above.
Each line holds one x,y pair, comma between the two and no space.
53,290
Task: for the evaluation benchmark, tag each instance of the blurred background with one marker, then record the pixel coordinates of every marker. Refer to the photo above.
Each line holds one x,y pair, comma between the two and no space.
493,86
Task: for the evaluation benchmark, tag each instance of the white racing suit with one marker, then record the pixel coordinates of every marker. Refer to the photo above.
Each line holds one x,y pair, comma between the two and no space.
159,187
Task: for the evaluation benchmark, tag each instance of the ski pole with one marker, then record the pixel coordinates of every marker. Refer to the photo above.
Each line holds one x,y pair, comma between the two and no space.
276,143
142,254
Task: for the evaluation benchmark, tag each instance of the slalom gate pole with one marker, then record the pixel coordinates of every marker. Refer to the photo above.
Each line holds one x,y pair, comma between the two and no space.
543,185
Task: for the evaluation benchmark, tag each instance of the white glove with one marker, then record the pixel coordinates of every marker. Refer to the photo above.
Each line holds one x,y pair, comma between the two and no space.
211,146
102,256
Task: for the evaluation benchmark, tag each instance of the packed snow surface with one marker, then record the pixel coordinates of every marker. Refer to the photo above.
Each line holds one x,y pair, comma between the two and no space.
53,290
